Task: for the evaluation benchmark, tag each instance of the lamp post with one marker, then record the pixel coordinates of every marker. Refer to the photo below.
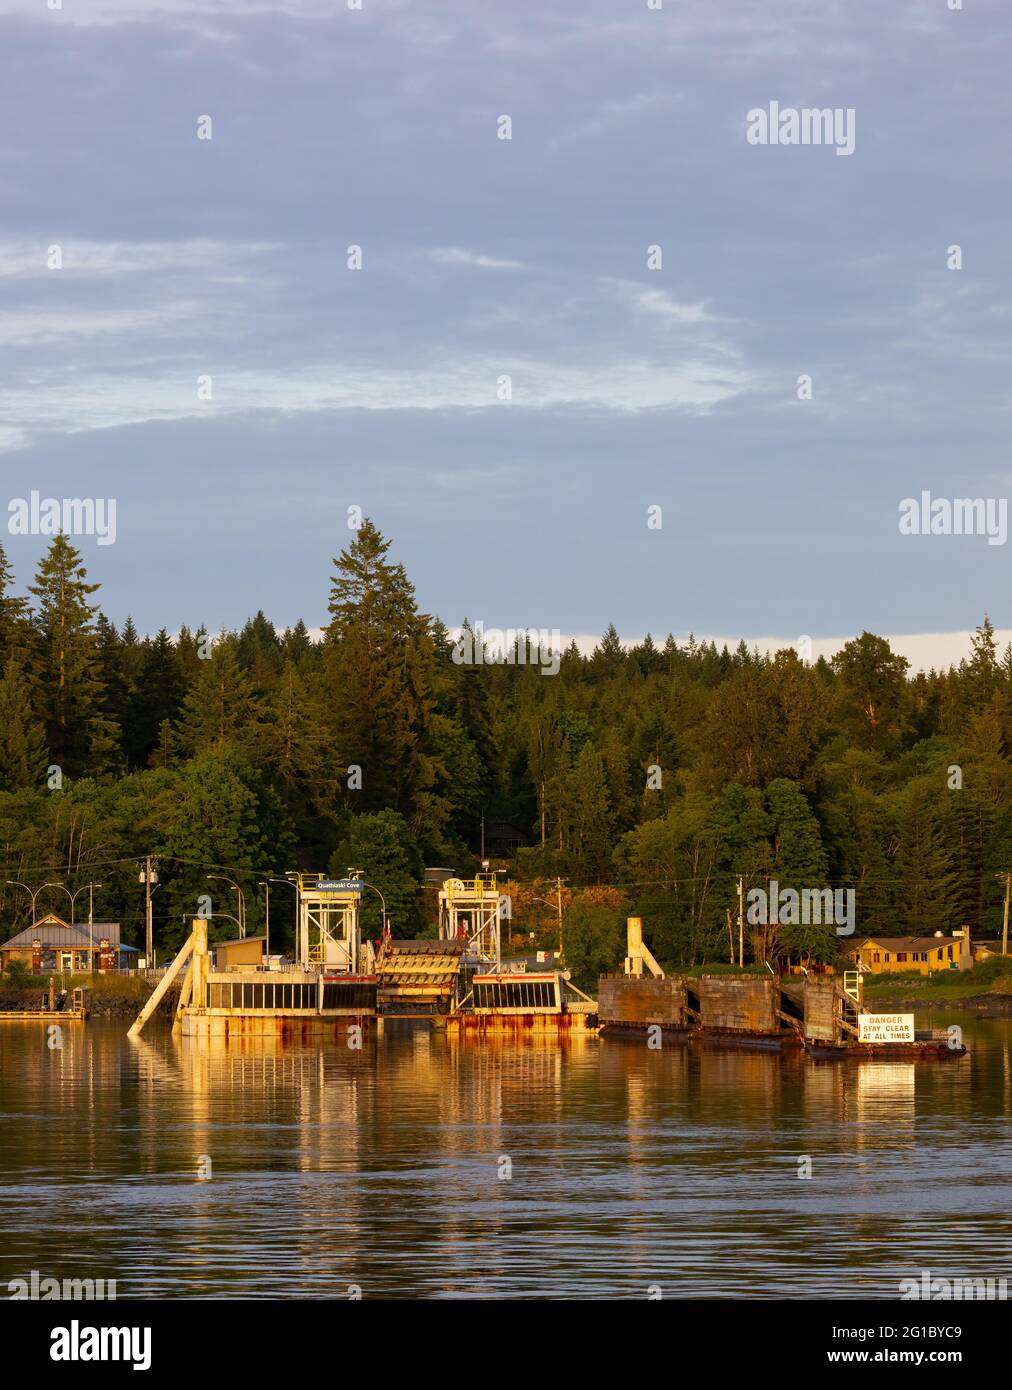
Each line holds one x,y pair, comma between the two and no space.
265,884
91,912
35,893
292,882
242,901
359,874
557,904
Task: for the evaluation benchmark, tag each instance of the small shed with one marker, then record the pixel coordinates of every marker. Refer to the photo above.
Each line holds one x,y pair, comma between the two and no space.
245,954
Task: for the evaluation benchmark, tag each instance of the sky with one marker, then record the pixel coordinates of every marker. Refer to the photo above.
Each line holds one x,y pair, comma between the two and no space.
202,353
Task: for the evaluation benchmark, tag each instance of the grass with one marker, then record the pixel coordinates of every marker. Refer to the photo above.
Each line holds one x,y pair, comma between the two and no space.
993,976
116,986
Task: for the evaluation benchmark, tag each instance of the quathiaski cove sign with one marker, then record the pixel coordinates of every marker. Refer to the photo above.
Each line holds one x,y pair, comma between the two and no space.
885,1028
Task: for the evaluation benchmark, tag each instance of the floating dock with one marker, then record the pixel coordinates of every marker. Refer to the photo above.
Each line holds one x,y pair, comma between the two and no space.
75,1012
814,1014
521,1002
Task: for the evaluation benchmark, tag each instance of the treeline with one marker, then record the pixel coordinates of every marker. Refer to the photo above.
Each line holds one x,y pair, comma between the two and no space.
647,778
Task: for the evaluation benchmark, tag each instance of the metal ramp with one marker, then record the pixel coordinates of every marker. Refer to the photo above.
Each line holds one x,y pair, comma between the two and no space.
418,975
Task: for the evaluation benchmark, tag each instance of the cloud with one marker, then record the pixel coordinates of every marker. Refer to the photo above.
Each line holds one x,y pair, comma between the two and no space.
454,255
82,259
656,301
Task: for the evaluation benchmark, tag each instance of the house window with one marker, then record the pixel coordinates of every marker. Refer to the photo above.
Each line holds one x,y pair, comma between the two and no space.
902,955
950,953
875,958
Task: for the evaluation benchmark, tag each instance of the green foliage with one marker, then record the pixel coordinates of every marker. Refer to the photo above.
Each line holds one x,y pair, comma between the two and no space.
264,751
381,845
594,941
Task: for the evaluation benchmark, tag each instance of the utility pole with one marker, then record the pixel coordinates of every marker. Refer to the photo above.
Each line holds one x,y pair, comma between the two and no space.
741,922
558,889
482,856
149,933
148,875
1004,925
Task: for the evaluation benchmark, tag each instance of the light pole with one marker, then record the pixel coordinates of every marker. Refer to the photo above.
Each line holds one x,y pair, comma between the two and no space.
265,884
357,873
557,905
242,901
35,893
91,900
91,913
292,883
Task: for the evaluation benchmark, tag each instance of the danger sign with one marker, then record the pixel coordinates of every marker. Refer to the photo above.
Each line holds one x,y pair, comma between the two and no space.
879,1028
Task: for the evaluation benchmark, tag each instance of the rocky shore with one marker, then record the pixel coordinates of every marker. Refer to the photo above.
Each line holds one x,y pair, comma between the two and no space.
105,1001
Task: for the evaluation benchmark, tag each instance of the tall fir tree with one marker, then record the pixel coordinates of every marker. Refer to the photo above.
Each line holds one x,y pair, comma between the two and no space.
83,740
379,664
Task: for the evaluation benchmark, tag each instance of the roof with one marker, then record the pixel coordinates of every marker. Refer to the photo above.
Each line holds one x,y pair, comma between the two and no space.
909,943
54,931
236,941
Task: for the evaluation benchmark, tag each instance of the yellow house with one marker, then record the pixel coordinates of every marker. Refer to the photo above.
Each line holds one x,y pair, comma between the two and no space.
880,954
984,950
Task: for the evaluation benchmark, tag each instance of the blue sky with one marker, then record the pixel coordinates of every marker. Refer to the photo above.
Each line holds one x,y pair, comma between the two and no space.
482,257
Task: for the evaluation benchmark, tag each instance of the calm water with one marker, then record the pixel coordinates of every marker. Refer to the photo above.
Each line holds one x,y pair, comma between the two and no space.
381,1168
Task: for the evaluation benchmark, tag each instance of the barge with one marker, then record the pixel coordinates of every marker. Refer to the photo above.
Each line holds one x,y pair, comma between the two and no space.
816,1015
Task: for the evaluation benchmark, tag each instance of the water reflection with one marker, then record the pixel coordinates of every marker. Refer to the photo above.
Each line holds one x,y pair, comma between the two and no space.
424,1165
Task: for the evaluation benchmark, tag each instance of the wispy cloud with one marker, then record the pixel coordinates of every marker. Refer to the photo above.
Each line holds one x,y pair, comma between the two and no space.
455,255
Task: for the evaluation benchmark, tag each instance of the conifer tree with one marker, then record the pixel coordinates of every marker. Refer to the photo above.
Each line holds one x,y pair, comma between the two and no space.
379,664
22,741
220,709
14,615
82,739
159,698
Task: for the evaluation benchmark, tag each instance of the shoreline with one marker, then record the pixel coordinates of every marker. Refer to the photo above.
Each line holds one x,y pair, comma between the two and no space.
984,1005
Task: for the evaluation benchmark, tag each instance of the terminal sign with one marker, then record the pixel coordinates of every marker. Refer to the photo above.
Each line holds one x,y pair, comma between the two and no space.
337,885
886,1028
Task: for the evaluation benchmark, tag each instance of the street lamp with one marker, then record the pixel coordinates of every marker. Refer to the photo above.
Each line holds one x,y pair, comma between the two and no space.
242,901
36,891
357,873
557,905
32,892
292,883
91,900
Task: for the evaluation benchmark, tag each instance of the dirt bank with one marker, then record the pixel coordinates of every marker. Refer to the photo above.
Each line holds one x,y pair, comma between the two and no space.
107,999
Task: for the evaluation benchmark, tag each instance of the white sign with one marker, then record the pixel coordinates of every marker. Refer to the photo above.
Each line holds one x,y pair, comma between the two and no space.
882,1028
